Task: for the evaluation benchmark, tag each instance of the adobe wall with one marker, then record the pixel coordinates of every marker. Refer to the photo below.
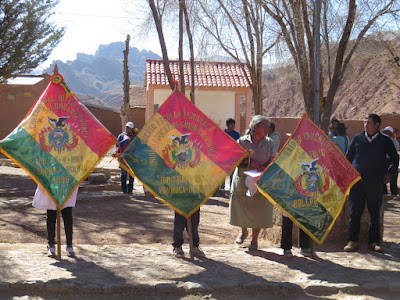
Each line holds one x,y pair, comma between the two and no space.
15,102
138,116
287,125
110,119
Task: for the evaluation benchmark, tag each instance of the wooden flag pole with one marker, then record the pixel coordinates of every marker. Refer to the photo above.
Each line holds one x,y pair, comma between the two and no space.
58,233
190,233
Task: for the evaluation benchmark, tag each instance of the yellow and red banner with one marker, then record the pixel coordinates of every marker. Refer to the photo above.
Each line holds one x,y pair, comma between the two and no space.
59,142
181,155
309,180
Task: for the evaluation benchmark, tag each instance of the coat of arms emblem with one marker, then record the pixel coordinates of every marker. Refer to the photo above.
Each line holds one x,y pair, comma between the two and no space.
58,136
181,153
313,180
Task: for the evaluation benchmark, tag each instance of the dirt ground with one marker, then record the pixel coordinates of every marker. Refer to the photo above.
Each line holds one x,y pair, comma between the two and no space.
123,219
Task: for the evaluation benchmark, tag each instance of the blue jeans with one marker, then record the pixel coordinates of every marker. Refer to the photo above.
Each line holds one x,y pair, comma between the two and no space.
124,174
370,192
180,224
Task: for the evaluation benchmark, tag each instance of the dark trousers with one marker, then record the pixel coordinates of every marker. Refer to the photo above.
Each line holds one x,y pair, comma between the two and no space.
286,240
370,192
394,190
51,225
180,224
124,174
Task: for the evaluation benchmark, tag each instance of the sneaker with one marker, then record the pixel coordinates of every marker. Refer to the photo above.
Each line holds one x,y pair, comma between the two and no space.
241,237
51,251
305,252
375,247
253,246
178,252
287,253
351,246
198,252
70,251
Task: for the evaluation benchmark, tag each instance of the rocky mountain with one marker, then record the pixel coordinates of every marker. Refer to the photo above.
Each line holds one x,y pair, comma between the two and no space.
100,75
371,84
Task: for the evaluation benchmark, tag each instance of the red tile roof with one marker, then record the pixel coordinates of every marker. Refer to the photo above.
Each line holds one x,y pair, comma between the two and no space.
207,74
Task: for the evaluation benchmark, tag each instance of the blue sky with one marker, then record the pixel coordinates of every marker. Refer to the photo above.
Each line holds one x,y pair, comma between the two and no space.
91,23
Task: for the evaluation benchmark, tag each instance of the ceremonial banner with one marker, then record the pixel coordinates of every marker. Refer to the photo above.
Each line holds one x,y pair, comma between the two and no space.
181,155
59,142
309,180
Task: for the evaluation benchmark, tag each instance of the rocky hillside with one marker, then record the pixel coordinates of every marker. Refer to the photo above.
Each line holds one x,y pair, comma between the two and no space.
371,84
100,75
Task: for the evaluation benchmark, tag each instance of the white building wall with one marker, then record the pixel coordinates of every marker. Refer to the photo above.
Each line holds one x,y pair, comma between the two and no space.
217,105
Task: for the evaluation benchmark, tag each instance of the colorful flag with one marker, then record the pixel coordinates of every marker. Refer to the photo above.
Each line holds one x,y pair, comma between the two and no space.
181,155
59,142
309,180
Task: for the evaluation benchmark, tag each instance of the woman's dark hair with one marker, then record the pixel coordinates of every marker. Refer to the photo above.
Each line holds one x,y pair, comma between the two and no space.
341,129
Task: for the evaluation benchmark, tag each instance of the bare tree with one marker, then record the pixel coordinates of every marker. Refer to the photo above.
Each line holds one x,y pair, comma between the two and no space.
391,43
180,50
241,29
190,38
344,26
157,16
158,10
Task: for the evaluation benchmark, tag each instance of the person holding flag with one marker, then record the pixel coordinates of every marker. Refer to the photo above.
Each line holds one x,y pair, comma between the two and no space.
58,143
180,224
42,201
124,139
367,152
248,208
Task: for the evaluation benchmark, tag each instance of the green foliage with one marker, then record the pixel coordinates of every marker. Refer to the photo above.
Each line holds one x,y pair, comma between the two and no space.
27,37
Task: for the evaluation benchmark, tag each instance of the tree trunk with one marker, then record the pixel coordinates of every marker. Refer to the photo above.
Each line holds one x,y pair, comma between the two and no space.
339,68
257,92
180,50
125,103
157,21
189,33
